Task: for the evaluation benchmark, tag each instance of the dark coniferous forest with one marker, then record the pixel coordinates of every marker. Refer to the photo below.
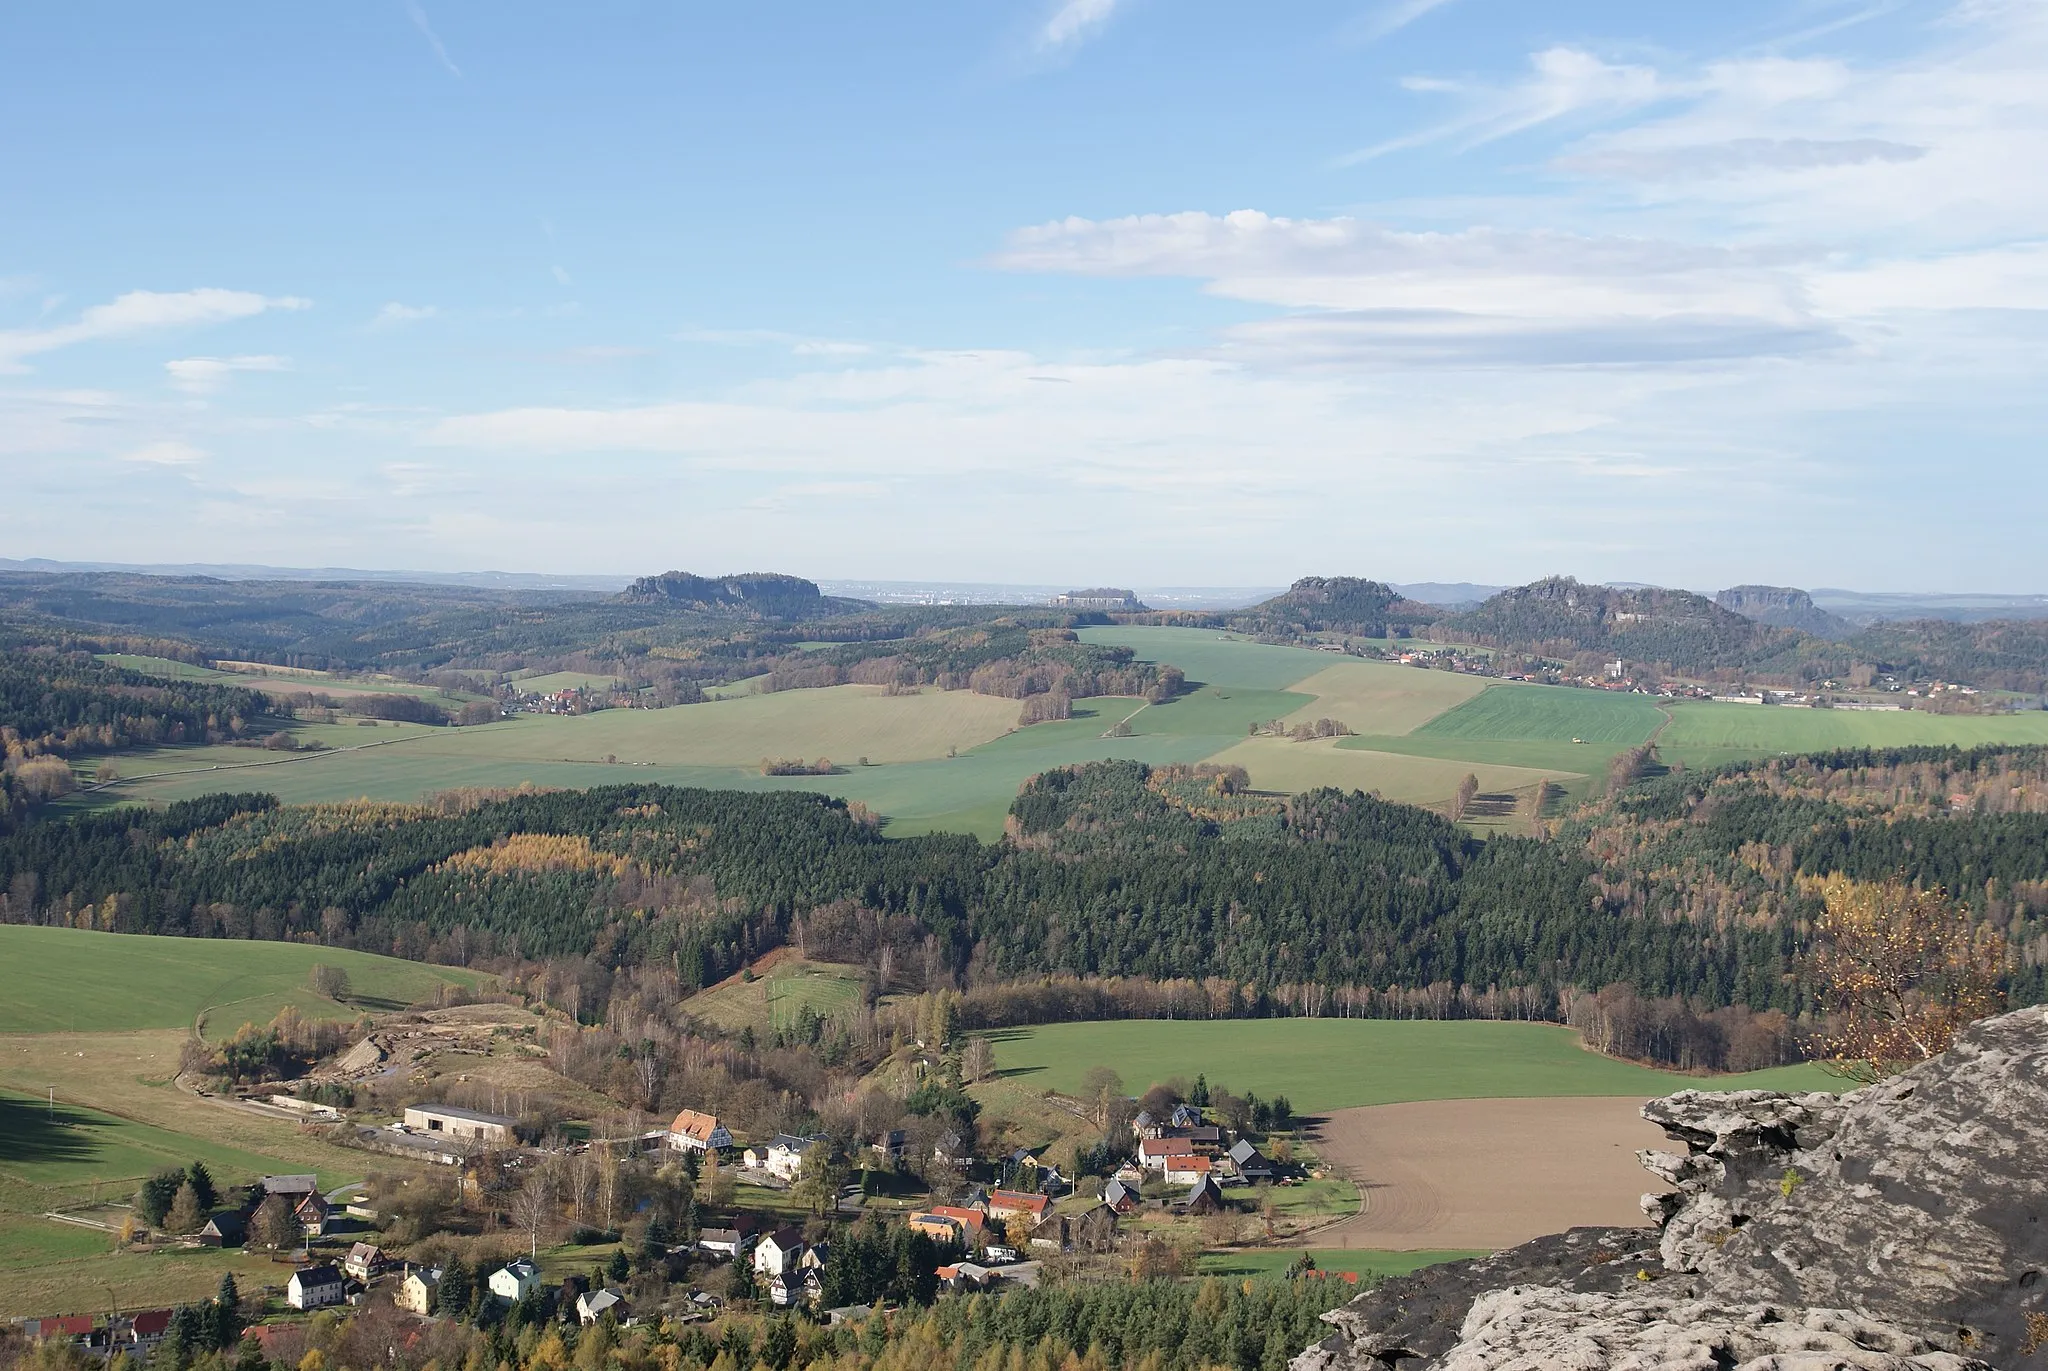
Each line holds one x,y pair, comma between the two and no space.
1120,889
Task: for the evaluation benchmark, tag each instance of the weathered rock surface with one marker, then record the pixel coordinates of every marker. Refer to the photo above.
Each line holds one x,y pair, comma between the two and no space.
1896,1227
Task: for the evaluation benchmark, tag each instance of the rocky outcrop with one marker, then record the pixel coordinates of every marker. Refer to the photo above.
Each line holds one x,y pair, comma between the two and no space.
1784,607
1895,1227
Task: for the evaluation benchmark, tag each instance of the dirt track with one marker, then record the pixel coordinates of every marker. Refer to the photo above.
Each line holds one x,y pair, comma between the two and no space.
1486,1174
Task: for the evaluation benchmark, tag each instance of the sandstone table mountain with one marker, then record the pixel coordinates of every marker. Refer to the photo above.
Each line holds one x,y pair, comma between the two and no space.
1897,1227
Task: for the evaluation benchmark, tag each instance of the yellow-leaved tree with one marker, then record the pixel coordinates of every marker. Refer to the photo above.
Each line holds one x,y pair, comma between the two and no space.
1900,971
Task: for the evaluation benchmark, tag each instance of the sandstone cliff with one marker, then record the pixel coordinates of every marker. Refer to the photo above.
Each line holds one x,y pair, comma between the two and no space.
1896,1227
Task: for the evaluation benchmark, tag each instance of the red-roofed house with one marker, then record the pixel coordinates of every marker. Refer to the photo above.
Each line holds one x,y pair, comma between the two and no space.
694,1131
1004,1205
1153,1152
149,1326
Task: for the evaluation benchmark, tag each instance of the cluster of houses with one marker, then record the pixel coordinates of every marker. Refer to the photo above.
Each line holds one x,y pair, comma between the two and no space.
131,1333
1184,1149
311,1211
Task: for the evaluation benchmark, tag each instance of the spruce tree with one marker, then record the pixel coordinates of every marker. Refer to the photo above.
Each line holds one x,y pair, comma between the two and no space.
201,1181
453,1297
227,1313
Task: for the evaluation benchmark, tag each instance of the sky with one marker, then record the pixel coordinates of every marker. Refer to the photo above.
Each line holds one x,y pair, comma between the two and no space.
1123,291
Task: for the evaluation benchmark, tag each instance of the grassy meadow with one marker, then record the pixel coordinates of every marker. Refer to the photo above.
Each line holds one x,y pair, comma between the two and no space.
117,982
952,761
1325,1064
775,998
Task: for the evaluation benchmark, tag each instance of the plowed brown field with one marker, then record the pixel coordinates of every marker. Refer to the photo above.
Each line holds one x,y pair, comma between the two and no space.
1487,1174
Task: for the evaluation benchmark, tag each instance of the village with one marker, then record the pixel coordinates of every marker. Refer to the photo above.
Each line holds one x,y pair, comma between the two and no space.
776,1225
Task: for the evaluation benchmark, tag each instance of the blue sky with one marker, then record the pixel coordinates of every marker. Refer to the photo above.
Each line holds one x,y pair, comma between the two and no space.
1127,290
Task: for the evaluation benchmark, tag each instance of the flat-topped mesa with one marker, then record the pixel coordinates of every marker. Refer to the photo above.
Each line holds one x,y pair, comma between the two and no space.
1896,1227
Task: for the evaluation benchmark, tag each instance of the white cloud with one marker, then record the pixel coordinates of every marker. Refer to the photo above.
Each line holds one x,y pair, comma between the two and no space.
1075,22
394,313
169,452
205,375
140,311
1480,295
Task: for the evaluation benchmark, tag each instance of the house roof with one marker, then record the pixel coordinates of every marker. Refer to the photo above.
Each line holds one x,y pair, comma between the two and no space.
786,1239
227,1224
1166,1147
1243,1152
66,1325
1198,1165
1018,1199
1117,1190
973,1218
290,1185
366,1252
788,1143
520,1267
693,1124
600,1301
449,1111
150,1323
318,1275
1144,1119
718,1235
1205,1185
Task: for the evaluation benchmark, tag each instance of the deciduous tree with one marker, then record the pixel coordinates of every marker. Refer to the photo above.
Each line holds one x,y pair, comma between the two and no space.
1901,971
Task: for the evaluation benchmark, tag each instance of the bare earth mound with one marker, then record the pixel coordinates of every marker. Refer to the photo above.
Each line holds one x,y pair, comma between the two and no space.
1486,1174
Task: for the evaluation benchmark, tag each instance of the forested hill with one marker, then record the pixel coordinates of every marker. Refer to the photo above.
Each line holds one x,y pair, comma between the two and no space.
1344,891
1687,886
1672,628
1334,604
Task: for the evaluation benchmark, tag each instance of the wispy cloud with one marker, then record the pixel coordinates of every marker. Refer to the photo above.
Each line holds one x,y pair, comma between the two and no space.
1073,23
1562,81
419,21
1390,18
393,313
205,375
140,311
1386,298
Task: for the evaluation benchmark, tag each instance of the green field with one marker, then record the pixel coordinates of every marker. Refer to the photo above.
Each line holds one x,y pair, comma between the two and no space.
1324,1064
1709,734
1274,1261
1531,713
952,761
69,1146
66,980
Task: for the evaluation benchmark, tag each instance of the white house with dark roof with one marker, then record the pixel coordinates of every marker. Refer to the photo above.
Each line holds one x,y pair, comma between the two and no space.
315,1287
